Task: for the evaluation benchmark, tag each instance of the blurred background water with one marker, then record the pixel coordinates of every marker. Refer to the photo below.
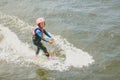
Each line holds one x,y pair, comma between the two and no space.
90,25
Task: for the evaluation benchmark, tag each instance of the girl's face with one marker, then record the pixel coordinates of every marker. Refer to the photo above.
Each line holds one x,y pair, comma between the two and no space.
42,25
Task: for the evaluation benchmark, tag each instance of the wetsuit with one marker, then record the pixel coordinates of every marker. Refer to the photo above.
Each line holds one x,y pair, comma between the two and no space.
37,37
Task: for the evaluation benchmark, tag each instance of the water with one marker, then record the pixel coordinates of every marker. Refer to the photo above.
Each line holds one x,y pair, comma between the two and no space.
88,32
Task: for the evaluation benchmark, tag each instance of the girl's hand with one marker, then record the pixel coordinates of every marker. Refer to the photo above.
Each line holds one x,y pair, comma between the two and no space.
51,40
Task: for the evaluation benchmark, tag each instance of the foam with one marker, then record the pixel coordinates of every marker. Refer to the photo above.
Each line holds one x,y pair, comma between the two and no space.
74,57
13,50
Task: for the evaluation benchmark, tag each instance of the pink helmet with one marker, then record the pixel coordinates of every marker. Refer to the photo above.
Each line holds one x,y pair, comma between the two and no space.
40,20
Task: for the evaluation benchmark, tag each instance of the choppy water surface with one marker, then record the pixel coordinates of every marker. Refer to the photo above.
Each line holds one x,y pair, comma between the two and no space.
88,32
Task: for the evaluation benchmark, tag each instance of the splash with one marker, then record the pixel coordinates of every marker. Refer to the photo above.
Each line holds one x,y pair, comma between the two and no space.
12,50
74,57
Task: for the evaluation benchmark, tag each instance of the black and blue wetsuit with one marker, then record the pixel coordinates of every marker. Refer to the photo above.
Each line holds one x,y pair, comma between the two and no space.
37,37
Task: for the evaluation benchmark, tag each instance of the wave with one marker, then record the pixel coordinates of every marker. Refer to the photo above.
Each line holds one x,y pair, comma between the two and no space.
14,47
13,50
74,57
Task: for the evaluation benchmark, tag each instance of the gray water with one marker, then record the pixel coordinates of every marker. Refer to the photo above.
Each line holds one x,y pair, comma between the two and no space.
90,25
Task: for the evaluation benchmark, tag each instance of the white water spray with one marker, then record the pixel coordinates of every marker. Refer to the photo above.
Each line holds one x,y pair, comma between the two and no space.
13,50
74,57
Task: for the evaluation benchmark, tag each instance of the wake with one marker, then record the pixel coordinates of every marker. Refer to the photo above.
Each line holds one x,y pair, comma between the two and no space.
12,50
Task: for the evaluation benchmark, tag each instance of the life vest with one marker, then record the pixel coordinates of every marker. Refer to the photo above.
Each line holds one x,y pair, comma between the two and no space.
35,36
